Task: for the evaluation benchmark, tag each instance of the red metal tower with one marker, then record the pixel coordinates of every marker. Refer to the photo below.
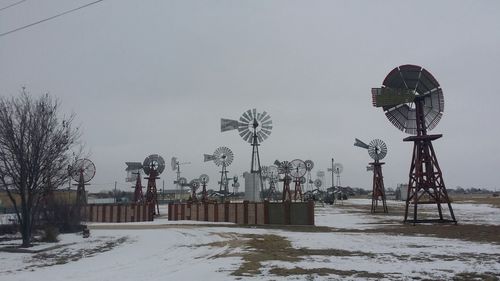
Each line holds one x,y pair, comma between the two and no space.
138,195
298,190
151,193
287,195
378,192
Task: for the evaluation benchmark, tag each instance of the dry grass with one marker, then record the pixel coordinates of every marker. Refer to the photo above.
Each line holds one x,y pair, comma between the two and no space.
477,198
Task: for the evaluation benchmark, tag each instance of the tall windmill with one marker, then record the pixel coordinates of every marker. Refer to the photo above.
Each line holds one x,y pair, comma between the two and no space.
175,165
377,150
284,169
309,181
273,178
222,157
338,168
134,174
298,171
254,127
412,100
153,166
82,171
203,179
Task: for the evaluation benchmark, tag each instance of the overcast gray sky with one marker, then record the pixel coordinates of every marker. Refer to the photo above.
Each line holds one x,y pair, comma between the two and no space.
150,77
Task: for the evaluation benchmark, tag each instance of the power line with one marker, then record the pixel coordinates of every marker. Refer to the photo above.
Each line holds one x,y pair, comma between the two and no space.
12,5
50,18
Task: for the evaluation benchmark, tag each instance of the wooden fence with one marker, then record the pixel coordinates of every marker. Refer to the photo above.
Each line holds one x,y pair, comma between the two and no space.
119,212
289,213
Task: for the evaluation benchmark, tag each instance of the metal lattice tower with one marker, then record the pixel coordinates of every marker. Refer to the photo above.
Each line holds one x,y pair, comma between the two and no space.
413,101
222,157
153,166
82,171
377,150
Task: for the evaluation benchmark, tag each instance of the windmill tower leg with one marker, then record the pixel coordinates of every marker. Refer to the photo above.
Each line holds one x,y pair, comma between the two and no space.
378,187
138,196
298,190
426,184
80,191
287,196
255,166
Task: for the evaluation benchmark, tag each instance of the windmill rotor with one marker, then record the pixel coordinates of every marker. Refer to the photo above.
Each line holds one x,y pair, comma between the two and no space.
338,168
404,89
284,167
83,167
298,168
194,184
182,181
318,183
203,179
309,165
153,162
272,172
302,180
250,121
377,149
223,156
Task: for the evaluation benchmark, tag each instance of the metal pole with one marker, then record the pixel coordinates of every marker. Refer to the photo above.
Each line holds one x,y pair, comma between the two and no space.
333,181
115,191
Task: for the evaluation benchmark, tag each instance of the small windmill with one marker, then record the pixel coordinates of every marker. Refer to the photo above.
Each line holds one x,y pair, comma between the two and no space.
377,150
338,168
413,101
82,171
175,165
194,185
298,171
222,157
134,174
203,179
254,127
153,166
309,181
273,177
284,169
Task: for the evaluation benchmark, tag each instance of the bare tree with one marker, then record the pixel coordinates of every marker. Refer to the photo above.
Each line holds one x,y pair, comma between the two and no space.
35,153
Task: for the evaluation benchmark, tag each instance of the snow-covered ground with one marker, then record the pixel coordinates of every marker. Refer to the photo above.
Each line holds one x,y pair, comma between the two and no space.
163,250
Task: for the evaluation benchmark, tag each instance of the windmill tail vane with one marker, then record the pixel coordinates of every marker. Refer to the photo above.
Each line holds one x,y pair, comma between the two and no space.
208,157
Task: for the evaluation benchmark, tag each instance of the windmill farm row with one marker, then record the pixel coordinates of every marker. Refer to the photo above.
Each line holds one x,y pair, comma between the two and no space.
410,97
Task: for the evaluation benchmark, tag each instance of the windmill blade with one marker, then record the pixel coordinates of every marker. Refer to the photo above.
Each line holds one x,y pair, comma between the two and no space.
245,119
361,144
266,119
261,116
259,137
228,125
208,157
246,134
254,114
